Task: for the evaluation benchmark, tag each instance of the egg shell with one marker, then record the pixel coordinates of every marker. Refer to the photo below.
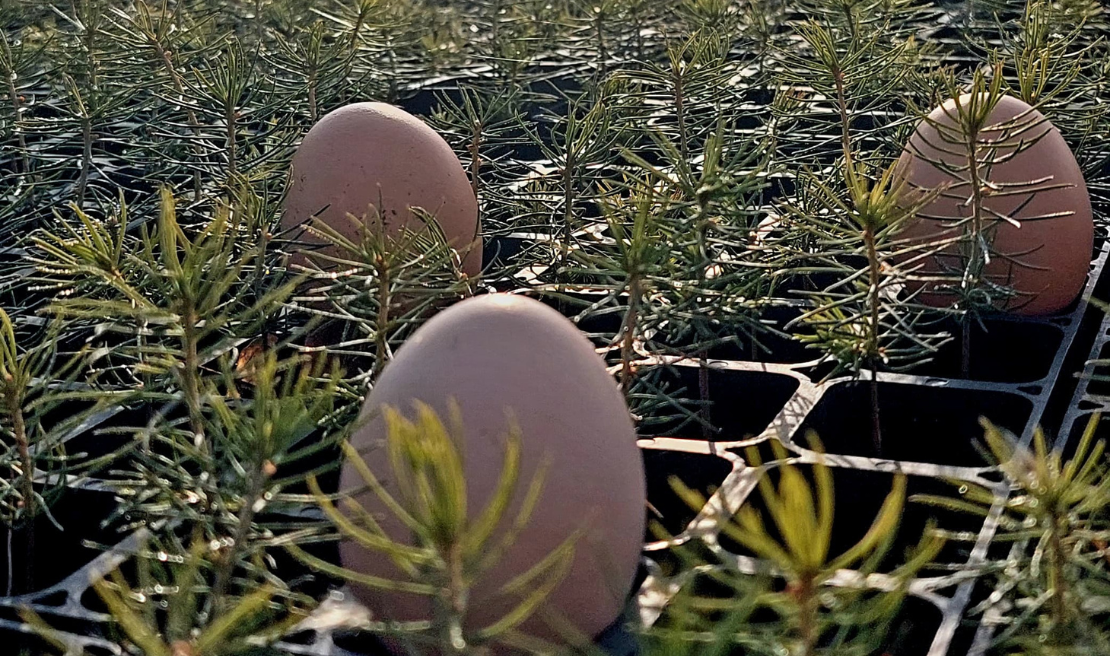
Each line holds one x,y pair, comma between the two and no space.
503,352
372,153
1044,261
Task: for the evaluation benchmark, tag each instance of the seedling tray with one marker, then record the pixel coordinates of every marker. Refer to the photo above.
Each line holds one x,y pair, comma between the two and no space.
930,427
1023,373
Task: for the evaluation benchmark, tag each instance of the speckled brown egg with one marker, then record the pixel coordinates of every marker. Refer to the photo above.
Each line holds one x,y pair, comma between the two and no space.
371,153
1045,258
499,353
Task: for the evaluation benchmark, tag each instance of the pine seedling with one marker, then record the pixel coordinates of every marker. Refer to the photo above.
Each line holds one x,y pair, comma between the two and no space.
713,211
175,302
720,16
395,47
851,68
982,144
381,284
227,429
281,420
1056,579
162,615
1046,64
789,607
581,140
21,65
1056,70
224,89
350,25
18,372
594,32
167,44
613,29
764,20
859,321
717,281
36,380
448,547
692,80
484,127
634,270
88,99
515,34
271,422
311,65
865,320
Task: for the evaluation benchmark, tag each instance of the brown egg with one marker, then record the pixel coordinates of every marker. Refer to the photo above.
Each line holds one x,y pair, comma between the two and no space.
1044,261
499,353
375,154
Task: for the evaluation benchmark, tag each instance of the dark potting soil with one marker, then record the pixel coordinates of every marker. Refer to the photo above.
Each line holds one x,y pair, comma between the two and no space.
1072,369
741,403
701,473
920,423
766,345
59,549
499,250
1067,443
1002,351
913,629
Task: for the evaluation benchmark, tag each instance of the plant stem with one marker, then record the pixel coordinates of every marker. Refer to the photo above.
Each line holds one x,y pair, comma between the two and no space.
190,377
26,485
876,419
474,147
230,116
179,87
851,19
242,533
638,28
975,254
874,301
89,18
874,261
703,392
569,195
381,326
17,105
845,120
86,159
631,318
807,615
965,346
495,28
680,114
259,22
451,604
1059,585
352,48
391,58
313,111
356,31
8,592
